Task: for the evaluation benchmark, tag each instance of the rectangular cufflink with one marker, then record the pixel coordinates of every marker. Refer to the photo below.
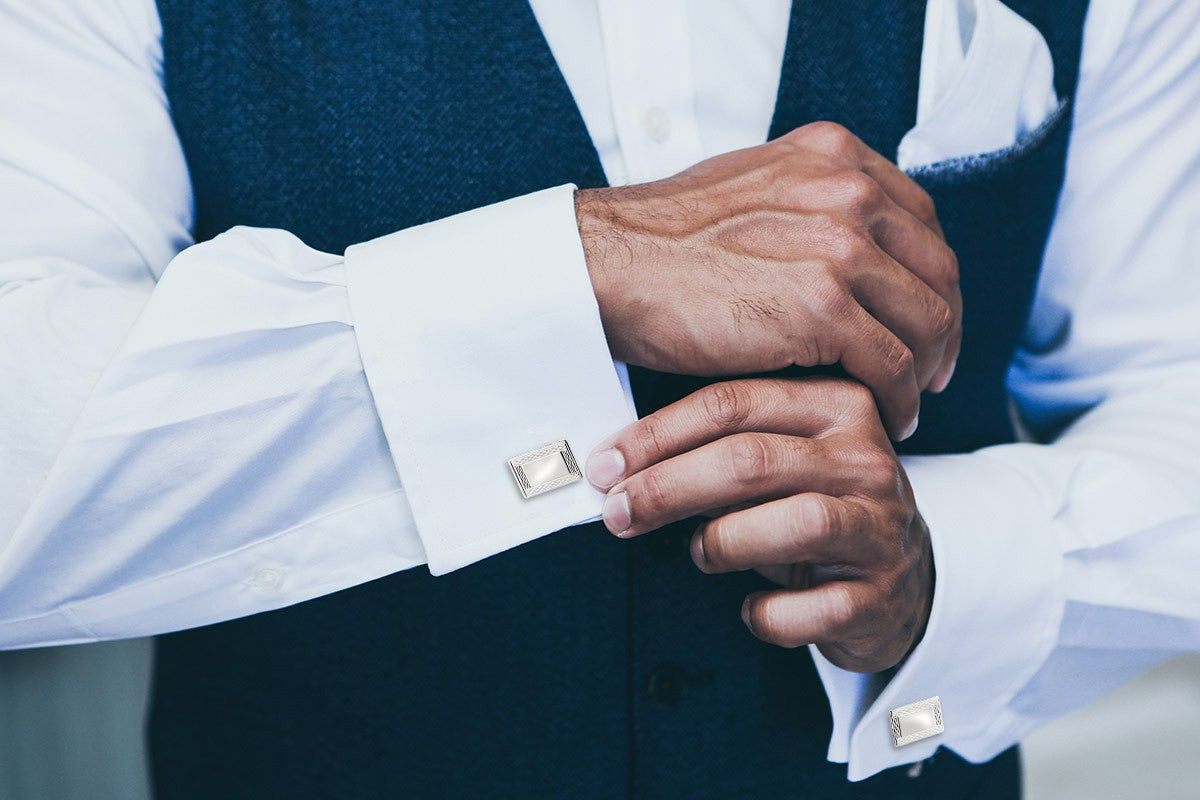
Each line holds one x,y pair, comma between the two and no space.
917,721
545,468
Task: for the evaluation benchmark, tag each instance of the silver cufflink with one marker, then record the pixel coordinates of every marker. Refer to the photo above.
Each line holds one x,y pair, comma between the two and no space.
545,468
917,721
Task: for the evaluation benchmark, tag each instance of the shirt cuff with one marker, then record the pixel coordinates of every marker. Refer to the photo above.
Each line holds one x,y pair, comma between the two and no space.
997,607
481,339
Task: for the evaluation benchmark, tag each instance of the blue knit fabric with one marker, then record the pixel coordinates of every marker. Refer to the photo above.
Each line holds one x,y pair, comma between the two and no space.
578,665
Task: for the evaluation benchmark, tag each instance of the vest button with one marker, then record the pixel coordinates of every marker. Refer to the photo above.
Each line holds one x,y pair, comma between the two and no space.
666,684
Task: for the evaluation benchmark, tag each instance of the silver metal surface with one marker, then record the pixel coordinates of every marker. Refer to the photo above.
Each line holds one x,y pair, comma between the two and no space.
545,468
917,721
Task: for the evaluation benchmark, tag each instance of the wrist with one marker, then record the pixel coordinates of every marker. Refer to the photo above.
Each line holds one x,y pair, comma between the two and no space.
604,245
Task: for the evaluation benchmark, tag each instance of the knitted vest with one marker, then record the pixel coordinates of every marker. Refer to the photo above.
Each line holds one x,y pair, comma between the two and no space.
577,665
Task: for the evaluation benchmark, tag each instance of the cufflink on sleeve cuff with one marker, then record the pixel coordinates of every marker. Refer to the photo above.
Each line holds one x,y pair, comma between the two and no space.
917,721
545,468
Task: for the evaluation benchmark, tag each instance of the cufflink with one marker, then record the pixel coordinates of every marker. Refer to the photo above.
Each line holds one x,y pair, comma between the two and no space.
545,468
917,721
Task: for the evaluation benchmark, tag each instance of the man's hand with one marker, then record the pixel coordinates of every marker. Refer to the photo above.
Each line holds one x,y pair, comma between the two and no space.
810,249
803,486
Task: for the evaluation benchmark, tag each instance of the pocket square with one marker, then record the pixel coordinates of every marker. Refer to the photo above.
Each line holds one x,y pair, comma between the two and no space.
987,79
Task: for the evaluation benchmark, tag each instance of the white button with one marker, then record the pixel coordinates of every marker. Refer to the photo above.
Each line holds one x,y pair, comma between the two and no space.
268,579
657,123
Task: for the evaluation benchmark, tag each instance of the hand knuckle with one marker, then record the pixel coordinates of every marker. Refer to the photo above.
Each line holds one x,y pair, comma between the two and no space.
829,298
898,363
830,137
895,533
650,437
941,320
856,397
950,269
876,468
847,244
943,273
727,404
878,463
753,458
860,193
926,208
652,494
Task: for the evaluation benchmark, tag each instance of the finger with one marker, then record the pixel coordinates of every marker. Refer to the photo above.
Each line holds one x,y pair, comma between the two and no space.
910,309
798,407
829,612
807,527
876,356
945,371
926,255
904,191
918,249
843,144
913,198
745,466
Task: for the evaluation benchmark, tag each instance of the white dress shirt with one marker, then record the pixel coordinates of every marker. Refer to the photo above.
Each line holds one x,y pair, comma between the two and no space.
250,423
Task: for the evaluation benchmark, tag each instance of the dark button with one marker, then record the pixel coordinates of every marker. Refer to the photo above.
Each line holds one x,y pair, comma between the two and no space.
668,680
666,685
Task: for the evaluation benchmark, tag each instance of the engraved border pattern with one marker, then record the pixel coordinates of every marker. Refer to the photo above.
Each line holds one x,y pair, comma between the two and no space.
934,703
516,464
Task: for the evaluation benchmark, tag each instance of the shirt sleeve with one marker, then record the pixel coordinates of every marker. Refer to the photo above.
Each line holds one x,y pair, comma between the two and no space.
195,433
485,345
1065,568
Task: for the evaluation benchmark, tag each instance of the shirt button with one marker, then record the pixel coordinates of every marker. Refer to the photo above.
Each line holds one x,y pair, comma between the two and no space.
268,579
657,124
666,684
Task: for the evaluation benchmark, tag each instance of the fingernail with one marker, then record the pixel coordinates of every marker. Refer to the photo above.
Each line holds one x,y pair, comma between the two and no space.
912,428
698,548
944,379
605,467
616,513
746,614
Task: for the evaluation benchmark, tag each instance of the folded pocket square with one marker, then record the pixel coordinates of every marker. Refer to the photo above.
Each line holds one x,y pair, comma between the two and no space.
987,79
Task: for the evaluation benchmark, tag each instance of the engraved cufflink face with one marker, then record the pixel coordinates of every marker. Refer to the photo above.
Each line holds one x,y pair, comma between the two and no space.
917,721
545,468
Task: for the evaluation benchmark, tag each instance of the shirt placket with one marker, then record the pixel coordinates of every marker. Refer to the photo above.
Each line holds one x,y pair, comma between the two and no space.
649,60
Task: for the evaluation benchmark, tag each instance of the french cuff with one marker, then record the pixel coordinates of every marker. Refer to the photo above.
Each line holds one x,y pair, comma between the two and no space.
997,606
481,341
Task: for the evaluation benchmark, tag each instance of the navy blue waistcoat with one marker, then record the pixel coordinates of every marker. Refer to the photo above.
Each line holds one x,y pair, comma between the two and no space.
578,665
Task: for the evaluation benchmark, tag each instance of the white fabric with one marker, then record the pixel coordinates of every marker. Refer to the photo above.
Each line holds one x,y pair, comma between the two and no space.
187,444
986,79
538,371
